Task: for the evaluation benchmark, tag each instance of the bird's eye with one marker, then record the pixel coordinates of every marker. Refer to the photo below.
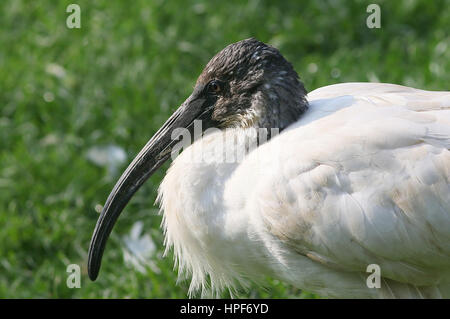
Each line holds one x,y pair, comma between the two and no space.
214,87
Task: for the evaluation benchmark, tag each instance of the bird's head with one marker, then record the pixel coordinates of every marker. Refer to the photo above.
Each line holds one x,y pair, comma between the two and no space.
247,84
250,84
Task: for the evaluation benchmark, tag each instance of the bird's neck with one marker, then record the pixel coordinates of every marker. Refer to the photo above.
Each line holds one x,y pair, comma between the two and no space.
199,224
274,107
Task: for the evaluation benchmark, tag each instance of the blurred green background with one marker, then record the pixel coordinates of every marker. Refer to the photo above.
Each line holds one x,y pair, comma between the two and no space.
76,105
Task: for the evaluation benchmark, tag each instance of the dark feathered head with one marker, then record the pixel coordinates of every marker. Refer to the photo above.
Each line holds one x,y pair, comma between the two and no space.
253,85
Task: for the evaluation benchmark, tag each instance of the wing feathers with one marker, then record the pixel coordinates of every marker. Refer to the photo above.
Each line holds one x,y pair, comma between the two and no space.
369,183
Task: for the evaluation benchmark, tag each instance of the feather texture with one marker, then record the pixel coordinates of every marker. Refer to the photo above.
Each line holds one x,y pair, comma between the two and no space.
362,178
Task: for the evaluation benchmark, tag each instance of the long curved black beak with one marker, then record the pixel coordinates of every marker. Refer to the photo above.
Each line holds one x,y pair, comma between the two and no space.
157,150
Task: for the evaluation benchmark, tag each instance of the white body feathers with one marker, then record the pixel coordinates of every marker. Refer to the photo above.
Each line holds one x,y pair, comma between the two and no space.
363,177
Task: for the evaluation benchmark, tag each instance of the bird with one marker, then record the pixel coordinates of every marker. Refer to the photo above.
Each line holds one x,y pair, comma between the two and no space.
311,189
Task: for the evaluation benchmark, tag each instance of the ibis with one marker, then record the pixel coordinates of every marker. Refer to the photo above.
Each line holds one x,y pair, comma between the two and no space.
346,195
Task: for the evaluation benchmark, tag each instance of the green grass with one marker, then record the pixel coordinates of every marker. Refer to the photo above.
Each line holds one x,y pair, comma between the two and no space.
128,67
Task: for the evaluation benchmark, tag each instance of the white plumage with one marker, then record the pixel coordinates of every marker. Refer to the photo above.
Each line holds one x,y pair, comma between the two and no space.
359,176
363,177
